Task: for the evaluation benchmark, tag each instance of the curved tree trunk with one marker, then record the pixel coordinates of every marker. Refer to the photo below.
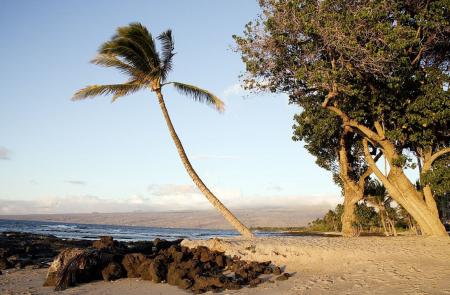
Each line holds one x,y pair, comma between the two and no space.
397,184
413,201
404,192
430,201
241,228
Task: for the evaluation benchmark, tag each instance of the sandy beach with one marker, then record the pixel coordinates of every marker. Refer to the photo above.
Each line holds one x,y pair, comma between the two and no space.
319,265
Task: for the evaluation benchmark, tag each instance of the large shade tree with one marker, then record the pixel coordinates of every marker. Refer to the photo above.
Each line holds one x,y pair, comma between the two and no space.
381,66
132,50
338,151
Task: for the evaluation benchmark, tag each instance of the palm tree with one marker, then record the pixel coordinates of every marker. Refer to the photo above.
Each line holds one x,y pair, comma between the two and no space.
379,198
132,50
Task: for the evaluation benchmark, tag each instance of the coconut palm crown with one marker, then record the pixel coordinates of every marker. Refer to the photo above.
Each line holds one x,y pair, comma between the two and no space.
132,50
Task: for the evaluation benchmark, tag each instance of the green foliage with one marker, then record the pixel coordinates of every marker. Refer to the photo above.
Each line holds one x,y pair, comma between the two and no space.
444,209
439,177
366,217
384,61
330,222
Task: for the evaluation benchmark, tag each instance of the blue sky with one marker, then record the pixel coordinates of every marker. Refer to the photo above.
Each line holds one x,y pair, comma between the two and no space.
98,156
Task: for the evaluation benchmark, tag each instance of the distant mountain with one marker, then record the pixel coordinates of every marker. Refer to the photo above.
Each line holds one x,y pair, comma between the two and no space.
206,219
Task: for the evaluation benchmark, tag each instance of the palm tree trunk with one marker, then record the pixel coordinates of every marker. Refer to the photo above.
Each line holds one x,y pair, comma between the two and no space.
241,228
383,221
392,225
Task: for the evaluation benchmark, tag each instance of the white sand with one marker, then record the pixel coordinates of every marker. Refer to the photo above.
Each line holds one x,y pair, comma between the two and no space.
320,265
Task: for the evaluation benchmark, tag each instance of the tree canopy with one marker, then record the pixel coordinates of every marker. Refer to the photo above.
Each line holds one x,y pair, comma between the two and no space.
377,61
380,67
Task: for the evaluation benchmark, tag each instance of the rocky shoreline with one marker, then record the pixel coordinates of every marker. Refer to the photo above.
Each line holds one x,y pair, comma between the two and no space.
73,262
27,250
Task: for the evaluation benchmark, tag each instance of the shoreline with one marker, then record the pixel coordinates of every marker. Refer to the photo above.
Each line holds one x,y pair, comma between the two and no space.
67,230
111,224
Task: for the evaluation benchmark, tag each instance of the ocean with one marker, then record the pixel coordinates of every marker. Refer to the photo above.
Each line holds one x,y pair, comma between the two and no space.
118,232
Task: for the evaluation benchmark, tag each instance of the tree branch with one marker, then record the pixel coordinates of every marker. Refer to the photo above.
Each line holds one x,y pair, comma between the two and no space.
368,171
329,96
419,54
343,160
427,164
379,129
372,163
372,136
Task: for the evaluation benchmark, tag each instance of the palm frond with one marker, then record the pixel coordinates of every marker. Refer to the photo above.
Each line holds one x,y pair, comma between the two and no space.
136,37
199,94
109,60
129,51
167,52
142,39
117,90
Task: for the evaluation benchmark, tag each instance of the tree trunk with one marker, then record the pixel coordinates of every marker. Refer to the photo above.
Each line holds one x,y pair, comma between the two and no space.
413,201
412,226
391,225
383,222
404,192
241,228
430,201
353,189
351,197
398,185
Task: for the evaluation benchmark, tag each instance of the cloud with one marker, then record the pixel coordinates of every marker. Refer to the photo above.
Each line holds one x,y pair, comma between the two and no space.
172,189
72,204
283,201
234,90
76,182
5,154
137,200
168,197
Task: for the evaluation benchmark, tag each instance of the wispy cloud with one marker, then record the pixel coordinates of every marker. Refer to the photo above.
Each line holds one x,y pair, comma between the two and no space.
172,189
76,182
72,204
5,154
234,90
